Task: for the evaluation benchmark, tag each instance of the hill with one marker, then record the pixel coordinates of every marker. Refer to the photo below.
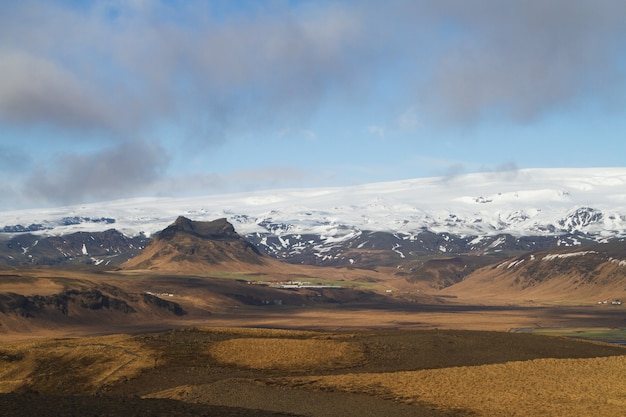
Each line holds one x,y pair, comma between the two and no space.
595,272
191,246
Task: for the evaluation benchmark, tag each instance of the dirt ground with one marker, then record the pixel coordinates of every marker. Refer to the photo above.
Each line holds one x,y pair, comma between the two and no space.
422,317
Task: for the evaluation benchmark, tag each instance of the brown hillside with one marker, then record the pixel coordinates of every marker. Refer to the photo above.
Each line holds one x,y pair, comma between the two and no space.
191,246
439,273
587,274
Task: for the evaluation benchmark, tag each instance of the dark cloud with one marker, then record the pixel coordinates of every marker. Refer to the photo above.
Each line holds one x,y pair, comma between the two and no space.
114,172
121,66
123,71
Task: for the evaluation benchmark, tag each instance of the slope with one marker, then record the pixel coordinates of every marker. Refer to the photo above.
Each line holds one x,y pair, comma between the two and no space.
590,274
188,246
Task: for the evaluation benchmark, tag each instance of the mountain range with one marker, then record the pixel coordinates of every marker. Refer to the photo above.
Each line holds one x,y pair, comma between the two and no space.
197,268
400,223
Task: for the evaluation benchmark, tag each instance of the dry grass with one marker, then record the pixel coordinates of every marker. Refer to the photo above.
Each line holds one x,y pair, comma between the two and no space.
260,332
292,354
210,300
423,373
542,387
77,366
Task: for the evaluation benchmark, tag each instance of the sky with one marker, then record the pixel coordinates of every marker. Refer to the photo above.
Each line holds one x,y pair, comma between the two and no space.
111,99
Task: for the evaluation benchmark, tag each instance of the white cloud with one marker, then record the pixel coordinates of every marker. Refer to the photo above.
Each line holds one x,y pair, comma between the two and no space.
408,120
377,130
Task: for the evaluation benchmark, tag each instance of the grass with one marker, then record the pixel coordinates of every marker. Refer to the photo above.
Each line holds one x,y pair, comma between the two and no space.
70,366
272,279
542,387
590,333
434,373
277,353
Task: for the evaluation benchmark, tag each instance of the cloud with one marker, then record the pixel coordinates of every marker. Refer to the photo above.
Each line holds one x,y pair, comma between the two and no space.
519,60
408,120
271,177
123,66
115,71
507,171
405,122
297,134
377,131
110,173
235,181
36,90
12,159
112,71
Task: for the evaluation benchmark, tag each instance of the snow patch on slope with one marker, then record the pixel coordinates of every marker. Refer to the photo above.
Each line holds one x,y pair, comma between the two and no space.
551,257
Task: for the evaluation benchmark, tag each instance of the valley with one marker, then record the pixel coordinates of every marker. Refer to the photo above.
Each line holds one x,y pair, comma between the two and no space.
298,208
198,320
93,300
83,340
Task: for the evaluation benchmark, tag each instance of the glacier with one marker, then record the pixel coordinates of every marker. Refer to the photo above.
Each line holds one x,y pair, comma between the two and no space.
524,202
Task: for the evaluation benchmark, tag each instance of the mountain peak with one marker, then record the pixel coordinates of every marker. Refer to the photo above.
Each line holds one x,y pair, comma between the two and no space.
219,229
188,245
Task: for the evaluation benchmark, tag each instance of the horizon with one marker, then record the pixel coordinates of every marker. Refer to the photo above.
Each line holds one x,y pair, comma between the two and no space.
108,99
529,201
505,175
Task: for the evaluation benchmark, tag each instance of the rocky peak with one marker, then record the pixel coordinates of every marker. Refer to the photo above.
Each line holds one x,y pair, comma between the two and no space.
219,229
188,245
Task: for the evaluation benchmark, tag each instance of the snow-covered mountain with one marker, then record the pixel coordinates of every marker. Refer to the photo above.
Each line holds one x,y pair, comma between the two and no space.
483,211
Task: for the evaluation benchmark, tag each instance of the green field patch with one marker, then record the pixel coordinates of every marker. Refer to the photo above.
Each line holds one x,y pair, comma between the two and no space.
616,335
273,280
242,277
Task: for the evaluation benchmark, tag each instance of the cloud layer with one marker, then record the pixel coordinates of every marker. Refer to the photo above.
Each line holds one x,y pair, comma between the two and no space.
120,69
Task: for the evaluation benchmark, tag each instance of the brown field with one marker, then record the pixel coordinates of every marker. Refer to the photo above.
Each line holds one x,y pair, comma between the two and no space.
225,300
376,347
98,360
541,387
275,353
264,372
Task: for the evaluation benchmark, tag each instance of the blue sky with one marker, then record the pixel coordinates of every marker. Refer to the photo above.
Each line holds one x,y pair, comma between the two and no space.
112,99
